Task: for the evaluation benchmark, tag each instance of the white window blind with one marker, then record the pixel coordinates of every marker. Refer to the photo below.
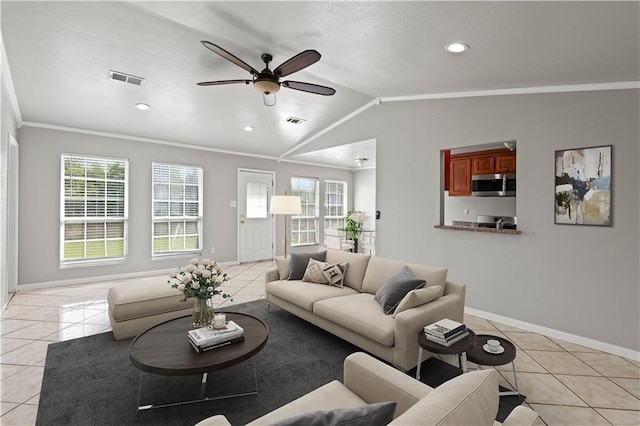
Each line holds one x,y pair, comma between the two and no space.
335,204
304,228
257,193
94,211
177,209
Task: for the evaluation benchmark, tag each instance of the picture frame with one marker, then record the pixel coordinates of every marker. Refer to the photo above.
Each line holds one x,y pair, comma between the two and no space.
583,186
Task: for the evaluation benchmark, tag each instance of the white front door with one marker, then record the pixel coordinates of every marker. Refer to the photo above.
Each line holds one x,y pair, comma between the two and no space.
255,231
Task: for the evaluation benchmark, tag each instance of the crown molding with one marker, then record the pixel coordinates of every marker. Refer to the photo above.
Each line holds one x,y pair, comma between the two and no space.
146,140
590,87
619,85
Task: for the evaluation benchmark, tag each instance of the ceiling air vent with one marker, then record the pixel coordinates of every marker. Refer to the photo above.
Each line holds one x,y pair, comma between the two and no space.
126,78
294,120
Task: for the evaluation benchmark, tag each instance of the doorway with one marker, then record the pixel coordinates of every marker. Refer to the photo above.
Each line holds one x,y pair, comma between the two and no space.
255,224
9,272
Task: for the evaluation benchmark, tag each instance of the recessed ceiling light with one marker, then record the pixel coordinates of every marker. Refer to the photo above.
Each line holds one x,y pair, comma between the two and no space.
143,107
248,128
456,47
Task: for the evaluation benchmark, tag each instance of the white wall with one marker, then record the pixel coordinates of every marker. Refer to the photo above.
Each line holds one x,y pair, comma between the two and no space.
7,127
40,151
581,280
364,195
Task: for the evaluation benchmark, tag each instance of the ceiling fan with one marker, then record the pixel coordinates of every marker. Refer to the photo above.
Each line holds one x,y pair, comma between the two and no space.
267,81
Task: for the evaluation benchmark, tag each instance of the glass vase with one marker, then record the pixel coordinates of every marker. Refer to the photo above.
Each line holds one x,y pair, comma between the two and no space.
202,312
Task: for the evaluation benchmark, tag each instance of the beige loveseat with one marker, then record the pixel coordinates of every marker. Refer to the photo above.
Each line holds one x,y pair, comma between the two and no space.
469,399
352,313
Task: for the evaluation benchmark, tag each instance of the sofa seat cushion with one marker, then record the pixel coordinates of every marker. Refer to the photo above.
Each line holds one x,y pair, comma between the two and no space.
379,270
468,399
333,395
148,296
305,294
359,313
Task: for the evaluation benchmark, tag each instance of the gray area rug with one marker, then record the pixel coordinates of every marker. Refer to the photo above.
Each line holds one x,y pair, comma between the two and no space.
90,381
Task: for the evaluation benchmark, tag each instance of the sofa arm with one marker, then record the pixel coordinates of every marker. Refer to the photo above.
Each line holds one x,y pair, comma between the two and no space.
409,322
521,416
374,381
271,275
218,420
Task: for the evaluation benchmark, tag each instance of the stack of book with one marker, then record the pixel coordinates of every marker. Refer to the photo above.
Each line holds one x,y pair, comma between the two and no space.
446,332
206,338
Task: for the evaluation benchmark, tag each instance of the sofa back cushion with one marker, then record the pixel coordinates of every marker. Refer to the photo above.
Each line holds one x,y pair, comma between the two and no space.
357,266
469,399
379,270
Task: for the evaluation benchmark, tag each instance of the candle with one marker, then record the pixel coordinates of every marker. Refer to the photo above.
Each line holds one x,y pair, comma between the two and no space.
219,320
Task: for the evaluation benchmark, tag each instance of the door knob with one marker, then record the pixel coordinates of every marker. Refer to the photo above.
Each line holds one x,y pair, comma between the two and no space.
241,217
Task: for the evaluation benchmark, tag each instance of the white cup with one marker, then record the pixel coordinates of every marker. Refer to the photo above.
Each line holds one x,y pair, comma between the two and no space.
494,345
219,320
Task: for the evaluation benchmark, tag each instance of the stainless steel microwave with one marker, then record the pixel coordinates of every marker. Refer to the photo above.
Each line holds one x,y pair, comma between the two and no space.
494,185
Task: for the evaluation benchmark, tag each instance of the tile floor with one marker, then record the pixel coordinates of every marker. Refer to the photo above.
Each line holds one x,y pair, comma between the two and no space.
565,383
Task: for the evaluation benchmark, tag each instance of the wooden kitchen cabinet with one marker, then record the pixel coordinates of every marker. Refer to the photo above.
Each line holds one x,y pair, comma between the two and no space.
483,165
506,163
462,166
460,176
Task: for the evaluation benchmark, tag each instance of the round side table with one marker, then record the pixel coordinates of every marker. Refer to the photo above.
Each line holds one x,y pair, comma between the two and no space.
459,348
482,357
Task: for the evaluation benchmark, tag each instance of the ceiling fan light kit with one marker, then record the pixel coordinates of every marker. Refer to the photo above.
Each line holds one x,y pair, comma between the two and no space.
268,82
360,161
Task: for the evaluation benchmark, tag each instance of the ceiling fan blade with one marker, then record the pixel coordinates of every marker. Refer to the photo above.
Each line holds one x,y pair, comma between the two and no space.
309,87
228,56
298,62
221,82
269,99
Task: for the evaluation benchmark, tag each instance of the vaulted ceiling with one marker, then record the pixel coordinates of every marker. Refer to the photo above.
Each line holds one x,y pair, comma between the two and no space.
60,54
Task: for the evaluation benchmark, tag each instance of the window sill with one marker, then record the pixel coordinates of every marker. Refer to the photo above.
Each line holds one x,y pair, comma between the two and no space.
170,256
87,263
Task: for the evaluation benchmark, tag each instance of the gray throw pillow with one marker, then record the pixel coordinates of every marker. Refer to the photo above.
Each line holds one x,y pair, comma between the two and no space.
396,288
299,262
378,414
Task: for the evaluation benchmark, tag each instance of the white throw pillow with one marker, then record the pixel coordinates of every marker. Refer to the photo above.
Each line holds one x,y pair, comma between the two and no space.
325,273
418,297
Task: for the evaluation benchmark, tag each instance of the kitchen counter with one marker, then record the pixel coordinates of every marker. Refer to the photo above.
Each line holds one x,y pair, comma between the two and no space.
472,226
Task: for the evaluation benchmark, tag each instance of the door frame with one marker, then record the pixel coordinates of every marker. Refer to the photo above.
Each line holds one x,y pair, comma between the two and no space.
239,192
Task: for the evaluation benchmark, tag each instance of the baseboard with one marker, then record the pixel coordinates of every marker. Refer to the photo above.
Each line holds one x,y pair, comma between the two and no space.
86,280
550,332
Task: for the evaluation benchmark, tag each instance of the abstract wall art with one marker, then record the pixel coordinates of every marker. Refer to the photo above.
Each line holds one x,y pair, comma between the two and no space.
583,186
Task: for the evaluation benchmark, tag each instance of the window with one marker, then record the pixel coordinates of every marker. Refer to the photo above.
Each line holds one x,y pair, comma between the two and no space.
335,203
304,228
93,210
177,209
257,193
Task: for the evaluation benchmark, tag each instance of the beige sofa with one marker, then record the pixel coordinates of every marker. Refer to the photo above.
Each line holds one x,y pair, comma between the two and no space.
469,399
351,312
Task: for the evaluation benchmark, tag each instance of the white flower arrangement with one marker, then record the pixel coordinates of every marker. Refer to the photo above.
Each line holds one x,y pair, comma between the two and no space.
200,279
358,217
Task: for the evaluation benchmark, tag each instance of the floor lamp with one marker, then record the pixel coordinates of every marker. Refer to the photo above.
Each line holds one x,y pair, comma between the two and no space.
286,205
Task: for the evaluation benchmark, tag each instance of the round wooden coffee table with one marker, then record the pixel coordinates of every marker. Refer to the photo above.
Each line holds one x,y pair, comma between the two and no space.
459,348
165,350
481,357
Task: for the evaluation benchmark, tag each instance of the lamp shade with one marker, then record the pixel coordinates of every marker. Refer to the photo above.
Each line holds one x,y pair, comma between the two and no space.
285,204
